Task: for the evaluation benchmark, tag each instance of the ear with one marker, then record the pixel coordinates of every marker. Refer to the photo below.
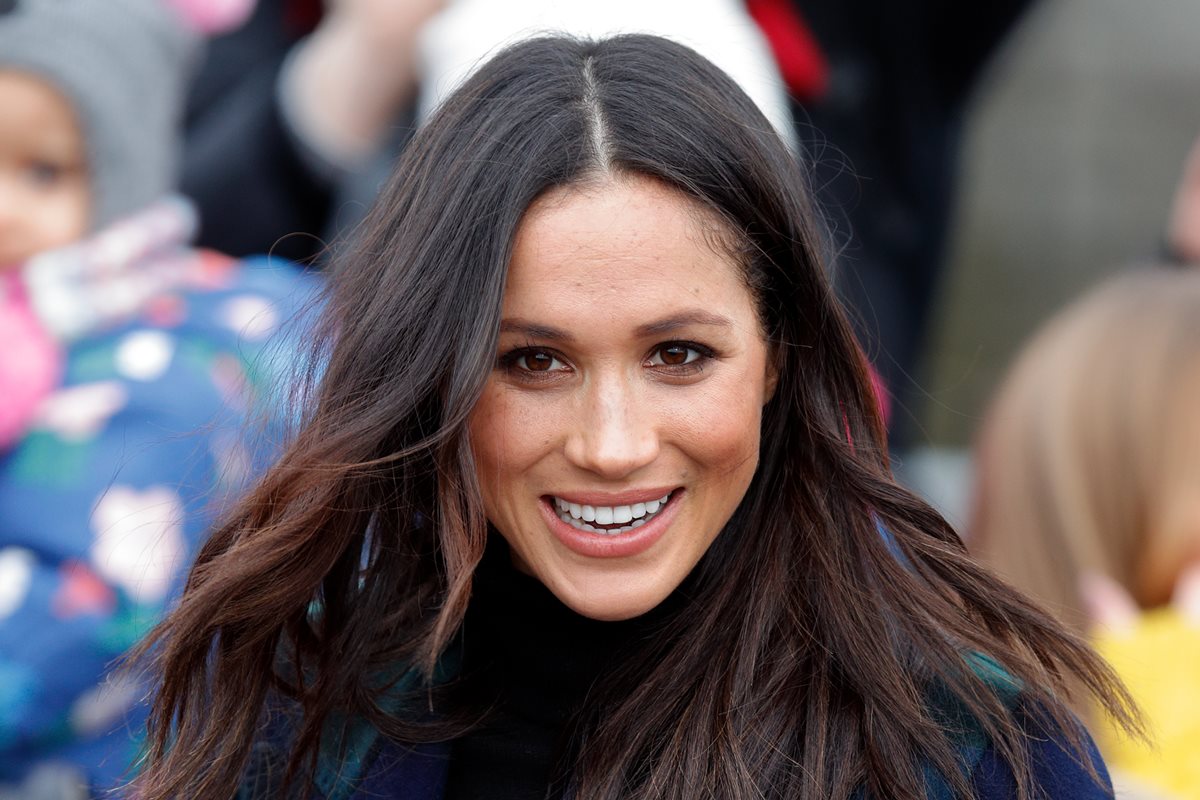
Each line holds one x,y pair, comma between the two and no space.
772,375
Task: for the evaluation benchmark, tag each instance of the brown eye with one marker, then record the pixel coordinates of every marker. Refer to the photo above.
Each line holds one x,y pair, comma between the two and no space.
45,173
538,361
674,356
679,354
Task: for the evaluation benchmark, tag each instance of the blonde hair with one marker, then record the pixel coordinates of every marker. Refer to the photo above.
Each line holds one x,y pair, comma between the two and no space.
1089,460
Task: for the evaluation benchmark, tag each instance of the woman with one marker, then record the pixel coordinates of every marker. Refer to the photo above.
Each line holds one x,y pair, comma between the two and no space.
1086,499
592,297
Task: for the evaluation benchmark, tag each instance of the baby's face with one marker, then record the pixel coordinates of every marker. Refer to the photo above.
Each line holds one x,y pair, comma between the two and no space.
44,194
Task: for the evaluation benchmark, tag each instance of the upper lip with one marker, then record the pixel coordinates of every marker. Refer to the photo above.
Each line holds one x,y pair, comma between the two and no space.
624,498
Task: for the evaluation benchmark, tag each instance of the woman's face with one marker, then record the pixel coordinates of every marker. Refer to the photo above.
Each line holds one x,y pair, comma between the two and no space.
619,429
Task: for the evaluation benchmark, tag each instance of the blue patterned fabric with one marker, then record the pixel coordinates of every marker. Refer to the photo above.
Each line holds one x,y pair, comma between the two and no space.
106,499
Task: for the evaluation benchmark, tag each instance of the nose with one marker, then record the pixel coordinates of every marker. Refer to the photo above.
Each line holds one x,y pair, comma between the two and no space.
615,432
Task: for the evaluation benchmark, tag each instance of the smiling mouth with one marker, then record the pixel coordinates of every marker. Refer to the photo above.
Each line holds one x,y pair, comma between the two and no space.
608,520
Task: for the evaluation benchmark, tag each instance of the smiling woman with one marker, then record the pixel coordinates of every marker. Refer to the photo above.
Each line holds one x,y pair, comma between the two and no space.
628,396
588,496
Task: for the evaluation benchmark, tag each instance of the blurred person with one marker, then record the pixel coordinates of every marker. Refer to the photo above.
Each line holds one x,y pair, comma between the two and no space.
1088,498
292,151
588,496
262,182
130,362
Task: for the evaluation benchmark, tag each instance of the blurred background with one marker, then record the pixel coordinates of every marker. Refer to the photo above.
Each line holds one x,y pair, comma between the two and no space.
1073,146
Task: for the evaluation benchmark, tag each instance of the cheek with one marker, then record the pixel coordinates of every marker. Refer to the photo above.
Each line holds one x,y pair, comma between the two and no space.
78,211
506,437
720,427
730,409
489,434
61,218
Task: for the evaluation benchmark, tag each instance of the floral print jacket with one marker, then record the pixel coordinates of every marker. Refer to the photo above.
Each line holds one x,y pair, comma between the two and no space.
121,467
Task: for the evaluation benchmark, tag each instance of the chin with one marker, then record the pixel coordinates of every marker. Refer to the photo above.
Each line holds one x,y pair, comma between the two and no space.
611,598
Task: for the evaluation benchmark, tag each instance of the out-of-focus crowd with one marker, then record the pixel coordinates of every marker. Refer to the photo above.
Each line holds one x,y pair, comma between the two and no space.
175,174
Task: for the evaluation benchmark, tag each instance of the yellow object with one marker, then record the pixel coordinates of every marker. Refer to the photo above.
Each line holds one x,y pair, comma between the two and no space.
1159,660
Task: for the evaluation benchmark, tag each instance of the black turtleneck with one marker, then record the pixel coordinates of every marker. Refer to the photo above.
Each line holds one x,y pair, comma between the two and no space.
532,661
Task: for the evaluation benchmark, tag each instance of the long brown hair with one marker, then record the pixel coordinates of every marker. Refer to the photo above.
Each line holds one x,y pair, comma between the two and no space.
1089,460
356,551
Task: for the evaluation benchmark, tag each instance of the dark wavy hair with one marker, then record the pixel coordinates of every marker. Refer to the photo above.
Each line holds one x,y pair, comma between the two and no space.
803,664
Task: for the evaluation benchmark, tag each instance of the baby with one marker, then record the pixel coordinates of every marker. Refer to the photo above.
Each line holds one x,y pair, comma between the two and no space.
130,363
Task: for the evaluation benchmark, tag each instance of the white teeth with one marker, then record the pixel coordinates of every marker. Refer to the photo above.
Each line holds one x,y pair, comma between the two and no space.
638,514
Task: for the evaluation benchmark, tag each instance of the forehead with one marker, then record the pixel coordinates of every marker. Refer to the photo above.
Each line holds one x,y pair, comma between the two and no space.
35,110
630,241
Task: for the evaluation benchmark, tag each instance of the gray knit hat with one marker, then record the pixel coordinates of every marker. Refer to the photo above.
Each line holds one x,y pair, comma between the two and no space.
124,66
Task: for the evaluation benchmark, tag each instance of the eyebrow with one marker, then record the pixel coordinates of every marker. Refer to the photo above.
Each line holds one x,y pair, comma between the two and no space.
683,320
535,330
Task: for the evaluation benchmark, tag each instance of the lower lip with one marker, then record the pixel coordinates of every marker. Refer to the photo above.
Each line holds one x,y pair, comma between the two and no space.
612,545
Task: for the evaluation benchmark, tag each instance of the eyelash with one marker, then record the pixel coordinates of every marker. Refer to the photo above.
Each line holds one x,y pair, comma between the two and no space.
510,361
